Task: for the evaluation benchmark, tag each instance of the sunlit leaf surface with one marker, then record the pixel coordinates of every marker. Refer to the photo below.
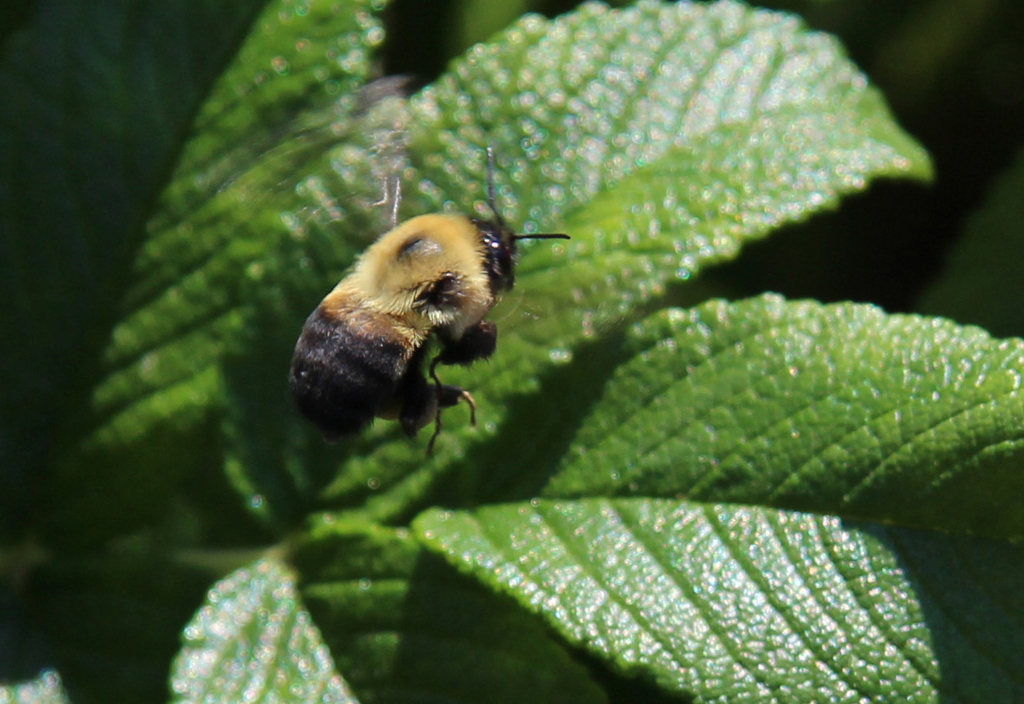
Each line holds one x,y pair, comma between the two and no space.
726,603
253,641
45,689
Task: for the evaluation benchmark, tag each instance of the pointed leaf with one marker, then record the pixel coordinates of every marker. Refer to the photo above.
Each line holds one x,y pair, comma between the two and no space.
730,603
836,409
253,641
405,627
661,136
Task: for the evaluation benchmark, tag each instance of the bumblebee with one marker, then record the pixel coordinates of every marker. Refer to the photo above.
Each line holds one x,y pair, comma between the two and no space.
362,352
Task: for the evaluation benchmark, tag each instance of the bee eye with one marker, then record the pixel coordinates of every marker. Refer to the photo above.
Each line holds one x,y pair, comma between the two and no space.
504,260
499,251
440,293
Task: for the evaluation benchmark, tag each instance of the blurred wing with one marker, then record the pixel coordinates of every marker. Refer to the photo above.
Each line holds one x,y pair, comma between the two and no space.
332,163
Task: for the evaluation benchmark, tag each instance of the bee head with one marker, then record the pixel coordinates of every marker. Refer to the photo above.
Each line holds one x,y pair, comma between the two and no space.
499,239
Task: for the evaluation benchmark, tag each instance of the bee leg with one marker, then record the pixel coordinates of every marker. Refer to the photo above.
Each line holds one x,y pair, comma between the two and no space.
477,342
419,402
447,396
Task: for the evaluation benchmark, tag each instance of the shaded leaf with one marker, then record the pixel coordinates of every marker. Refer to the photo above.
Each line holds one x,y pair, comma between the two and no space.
159,389
405,627
731,603
113,623
23,650
97,101
253,641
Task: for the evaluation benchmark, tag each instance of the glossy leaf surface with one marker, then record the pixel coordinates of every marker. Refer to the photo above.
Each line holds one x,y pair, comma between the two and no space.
728,603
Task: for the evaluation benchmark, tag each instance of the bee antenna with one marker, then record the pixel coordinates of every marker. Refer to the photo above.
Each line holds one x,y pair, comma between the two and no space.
492,199
543,236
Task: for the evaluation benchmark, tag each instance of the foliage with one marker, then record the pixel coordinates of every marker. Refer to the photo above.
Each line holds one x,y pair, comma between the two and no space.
666,496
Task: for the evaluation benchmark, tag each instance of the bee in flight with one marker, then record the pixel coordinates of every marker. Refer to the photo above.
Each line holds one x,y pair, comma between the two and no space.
362,352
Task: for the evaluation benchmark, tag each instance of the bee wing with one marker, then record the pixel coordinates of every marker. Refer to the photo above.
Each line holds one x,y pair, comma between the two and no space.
363,157
344,161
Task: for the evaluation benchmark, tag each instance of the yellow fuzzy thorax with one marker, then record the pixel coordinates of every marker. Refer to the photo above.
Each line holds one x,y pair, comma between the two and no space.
394,271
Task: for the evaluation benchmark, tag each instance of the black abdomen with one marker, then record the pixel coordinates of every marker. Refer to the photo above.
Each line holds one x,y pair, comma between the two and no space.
346,369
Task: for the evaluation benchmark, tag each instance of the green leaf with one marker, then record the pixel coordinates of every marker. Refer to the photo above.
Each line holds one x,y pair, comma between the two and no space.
45,689
637,132
835,409
87,138
253,641
403,626
158,391
732,603
838,409
982,282
662,137
210,307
